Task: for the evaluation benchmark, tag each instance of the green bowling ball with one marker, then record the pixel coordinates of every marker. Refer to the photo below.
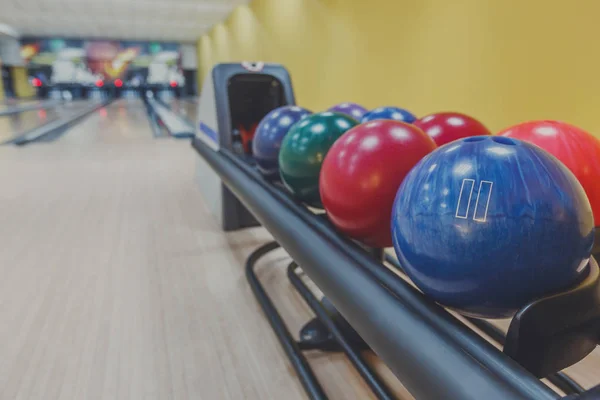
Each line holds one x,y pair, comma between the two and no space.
303,150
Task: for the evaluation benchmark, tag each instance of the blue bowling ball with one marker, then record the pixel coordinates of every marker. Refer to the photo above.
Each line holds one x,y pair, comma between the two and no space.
395,113
269,135
486,224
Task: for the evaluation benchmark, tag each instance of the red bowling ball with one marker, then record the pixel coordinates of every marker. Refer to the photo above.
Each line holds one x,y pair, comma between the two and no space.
362,173
448,126
577,149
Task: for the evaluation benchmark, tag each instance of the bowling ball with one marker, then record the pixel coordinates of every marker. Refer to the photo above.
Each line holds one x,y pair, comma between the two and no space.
576,148
362,173
395,113
487,224
303,150
353,110
269,135
448,126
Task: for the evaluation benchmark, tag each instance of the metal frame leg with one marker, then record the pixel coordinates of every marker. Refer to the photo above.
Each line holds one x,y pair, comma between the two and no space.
353,354
292,348
305,373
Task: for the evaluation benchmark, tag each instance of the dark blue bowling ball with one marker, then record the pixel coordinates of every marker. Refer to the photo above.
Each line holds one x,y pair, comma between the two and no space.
395,113
269,135
487,224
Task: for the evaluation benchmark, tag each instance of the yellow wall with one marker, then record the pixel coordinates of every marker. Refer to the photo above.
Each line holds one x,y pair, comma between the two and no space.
21,82
502,61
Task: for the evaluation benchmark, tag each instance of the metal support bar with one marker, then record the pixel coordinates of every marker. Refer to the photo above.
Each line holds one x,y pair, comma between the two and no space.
305,373
370,377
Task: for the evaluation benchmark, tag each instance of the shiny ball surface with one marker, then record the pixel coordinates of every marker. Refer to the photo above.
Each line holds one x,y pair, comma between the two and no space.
303,150
446,127
487,224
574,147
362,173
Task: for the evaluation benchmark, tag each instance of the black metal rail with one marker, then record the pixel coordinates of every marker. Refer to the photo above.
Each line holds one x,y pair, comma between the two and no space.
305,374
378,387
561,380
431,352
295,349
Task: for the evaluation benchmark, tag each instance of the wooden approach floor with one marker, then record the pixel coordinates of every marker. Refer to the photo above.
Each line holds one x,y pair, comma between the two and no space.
116,282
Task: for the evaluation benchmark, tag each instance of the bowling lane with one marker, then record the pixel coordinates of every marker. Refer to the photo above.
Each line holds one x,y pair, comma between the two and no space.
15,125
122,121
117,283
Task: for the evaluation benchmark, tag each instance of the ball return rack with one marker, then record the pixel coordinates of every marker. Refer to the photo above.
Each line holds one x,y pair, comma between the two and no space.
368,306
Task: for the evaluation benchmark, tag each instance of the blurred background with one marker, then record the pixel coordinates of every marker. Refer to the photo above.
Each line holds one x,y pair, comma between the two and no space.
47,47
504,61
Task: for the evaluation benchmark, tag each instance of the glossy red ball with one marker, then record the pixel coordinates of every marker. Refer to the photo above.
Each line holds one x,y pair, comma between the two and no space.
446,127
577,149
362,173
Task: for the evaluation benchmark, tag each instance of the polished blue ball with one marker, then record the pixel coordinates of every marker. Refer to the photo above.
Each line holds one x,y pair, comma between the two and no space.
395,113
269,135
487,224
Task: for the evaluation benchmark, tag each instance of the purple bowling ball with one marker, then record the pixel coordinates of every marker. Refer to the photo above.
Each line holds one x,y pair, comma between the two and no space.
353,110
269,135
